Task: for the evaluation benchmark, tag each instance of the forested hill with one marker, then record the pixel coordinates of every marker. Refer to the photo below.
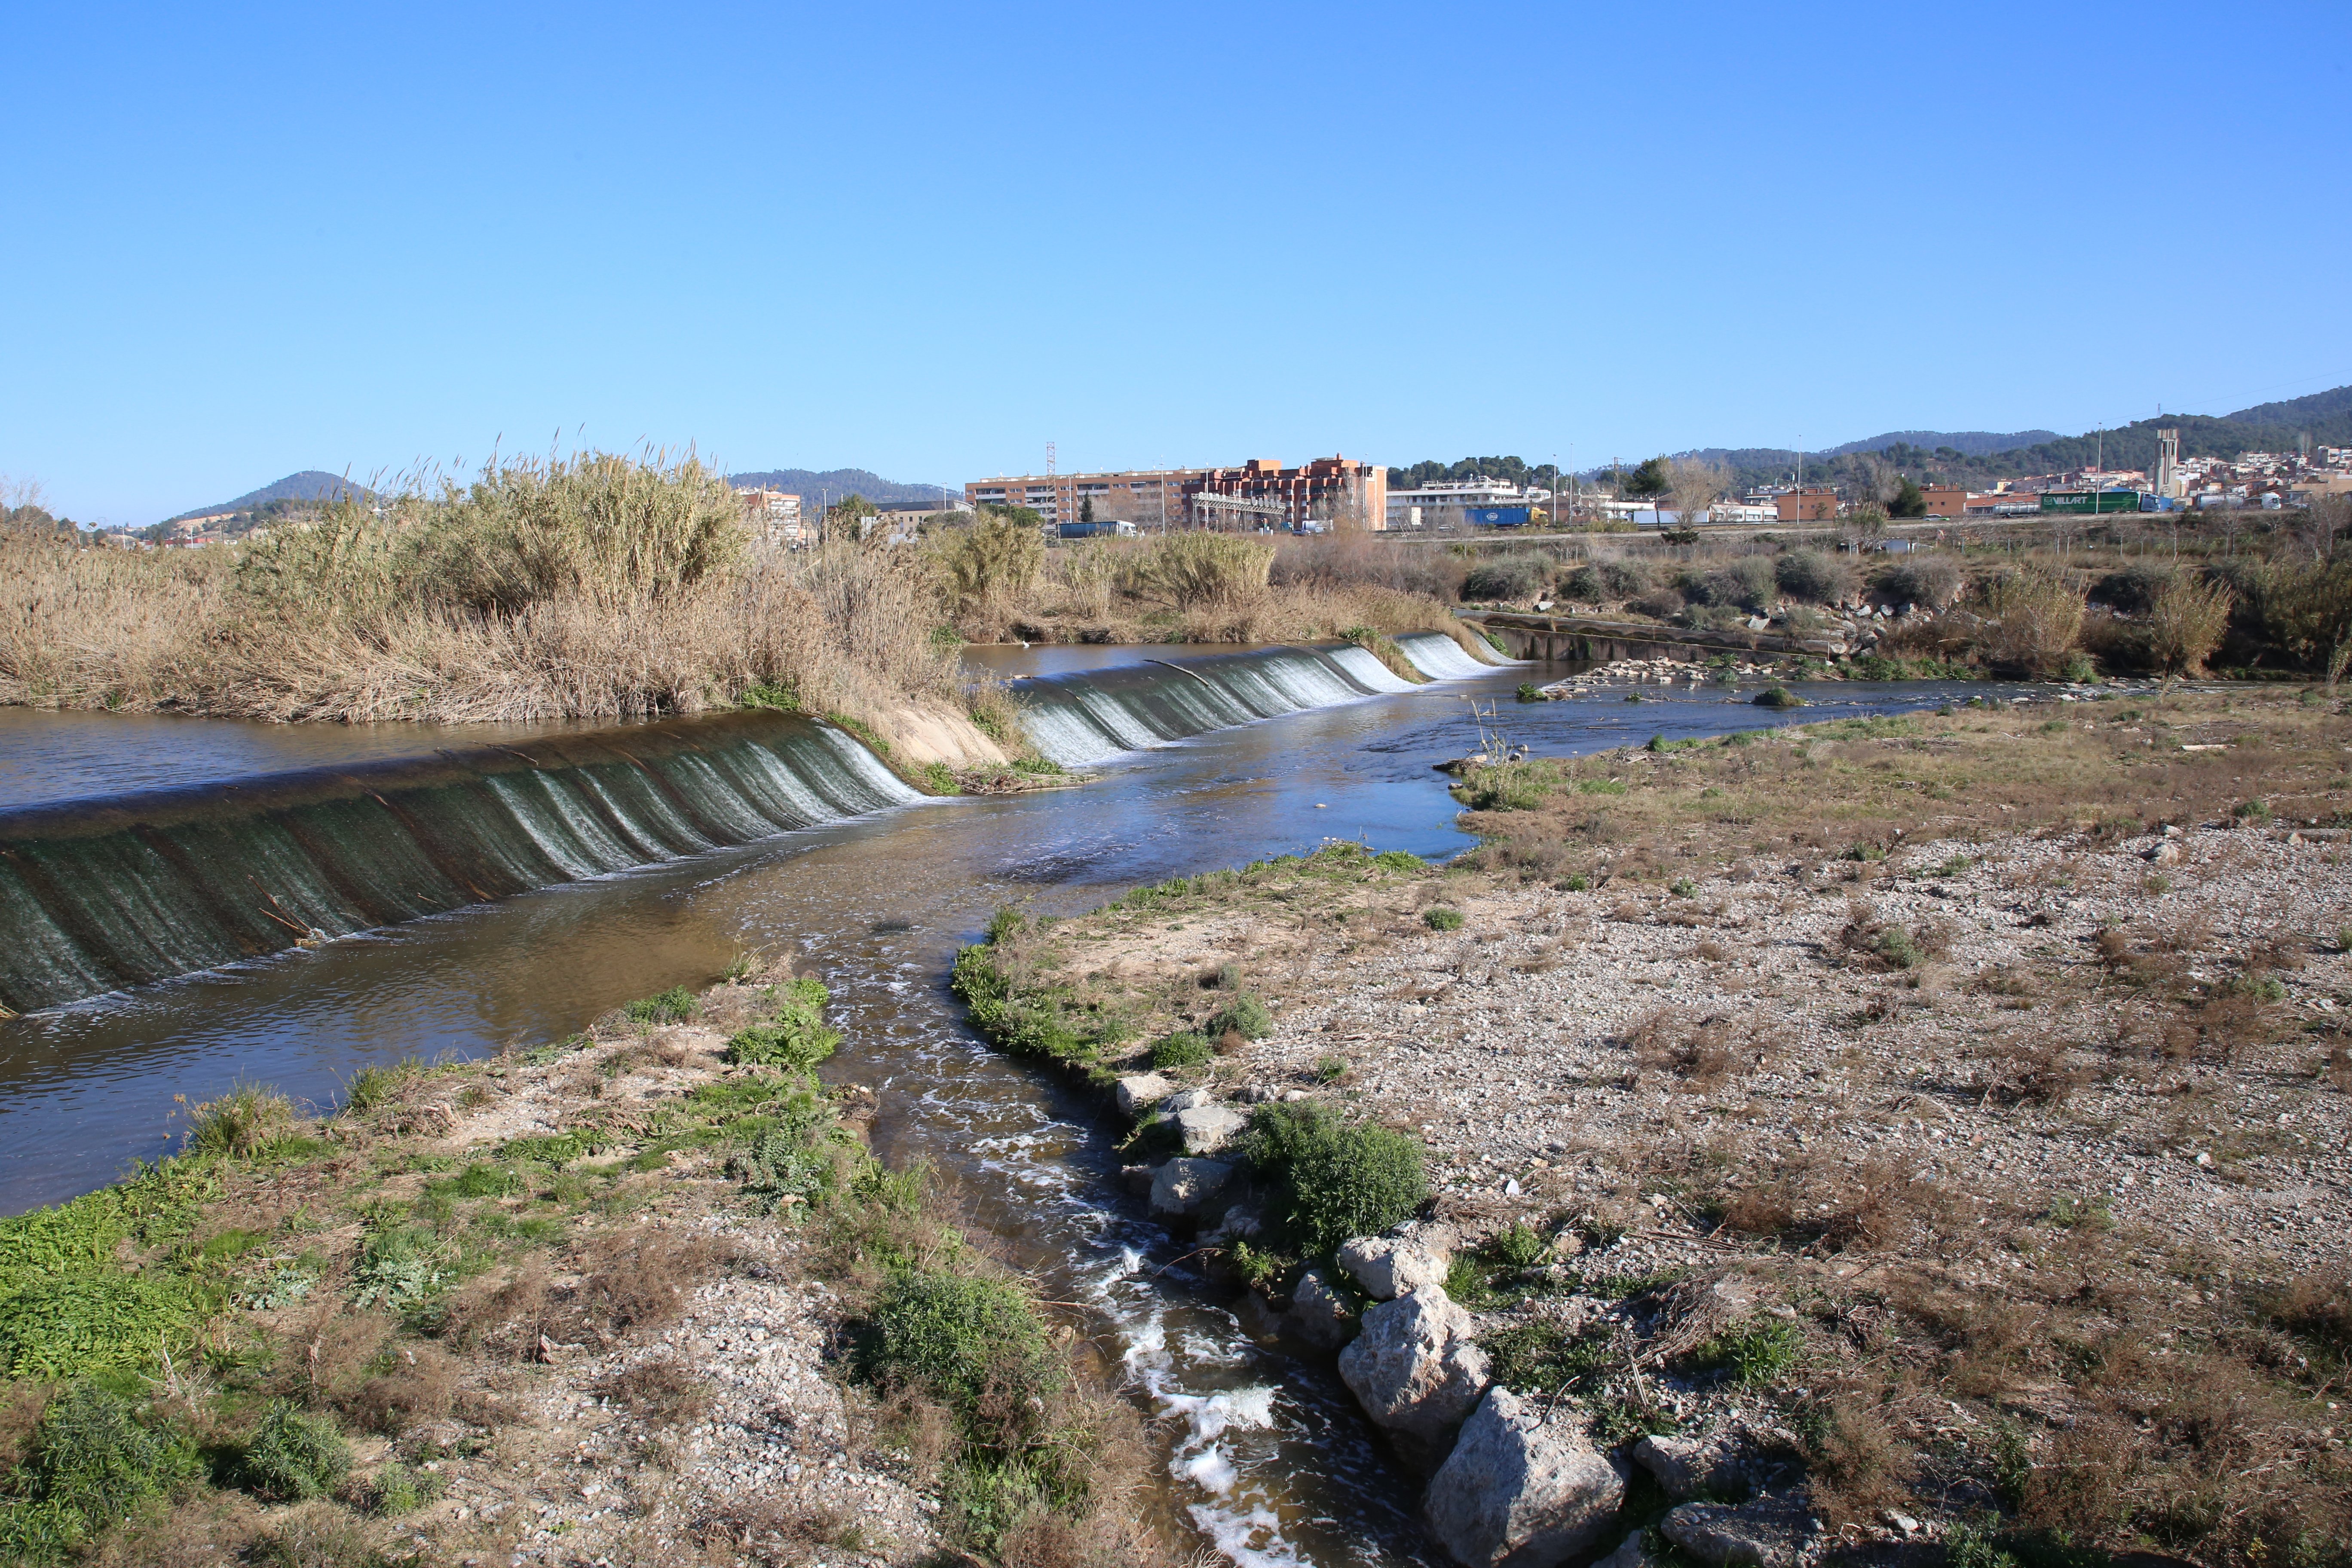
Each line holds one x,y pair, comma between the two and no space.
2324,417
834,483
310,484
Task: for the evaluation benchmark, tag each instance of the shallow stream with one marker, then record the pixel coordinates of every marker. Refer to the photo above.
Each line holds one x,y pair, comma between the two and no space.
1265,1454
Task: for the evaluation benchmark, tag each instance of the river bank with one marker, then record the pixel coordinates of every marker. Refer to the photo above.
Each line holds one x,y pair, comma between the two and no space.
1872,1132
640,1296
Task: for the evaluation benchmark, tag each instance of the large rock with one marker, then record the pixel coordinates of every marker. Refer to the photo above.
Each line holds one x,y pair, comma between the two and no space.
1387,1268
1631,1552
1188,1099
1182,1187
1139,1093
1524,1487
1209,1128
1414,1368
1322,1314
1689,1467
1769,1532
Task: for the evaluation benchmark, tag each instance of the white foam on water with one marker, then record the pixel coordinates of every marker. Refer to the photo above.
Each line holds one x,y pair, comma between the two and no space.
1439,657
1367,669
1236,1535
1209,1470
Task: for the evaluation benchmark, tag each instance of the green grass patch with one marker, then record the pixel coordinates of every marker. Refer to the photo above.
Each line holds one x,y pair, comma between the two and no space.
1442,919
796,1036
1182,1050
675,1006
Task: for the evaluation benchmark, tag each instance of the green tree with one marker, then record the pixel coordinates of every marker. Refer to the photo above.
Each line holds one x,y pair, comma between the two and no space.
1085,508
1654,477
1907,501
845,519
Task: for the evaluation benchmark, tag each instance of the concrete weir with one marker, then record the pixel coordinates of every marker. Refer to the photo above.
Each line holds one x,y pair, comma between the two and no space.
1581,639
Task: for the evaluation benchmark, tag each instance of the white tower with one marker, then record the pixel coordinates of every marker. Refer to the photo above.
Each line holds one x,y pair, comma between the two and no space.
2167,464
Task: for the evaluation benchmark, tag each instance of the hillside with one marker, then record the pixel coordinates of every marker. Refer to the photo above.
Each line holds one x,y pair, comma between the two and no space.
832,484
1978,459
310,484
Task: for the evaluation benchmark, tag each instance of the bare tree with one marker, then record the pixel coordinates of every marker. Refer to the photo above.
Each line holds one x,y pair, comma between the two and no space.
2327,519
1694,486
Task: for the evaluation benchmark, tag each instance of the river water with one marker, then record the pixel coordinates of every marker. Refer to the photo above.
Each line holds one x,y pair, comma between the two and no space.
1265,1454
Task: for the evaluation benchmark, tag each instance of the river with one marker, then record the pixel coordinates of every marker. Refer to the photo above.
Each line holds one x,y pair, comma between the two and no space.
1265,1453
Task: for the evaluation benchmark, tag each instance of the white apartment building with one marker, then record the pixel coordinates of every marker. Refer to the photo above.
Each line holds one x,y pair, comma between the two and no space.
1442,503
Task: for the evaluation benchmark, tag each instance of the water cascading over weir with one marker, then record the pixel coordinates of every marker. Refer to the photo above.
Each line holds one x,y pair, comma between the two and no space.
1082,718
98,895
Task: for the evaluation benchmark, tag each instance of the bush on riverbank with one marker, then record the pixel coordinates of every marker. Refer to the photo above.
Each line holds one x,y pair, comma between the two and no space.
1332,1179
594,586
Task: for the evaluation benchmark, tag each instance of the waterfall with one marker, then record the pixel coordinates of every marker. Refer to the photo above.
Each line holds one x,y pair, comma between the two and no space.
1086,716
1439,657
96,895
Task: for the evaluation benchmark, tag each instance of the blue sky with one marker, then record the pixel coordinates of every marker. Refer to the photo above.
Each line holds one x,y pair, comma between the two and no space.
243,241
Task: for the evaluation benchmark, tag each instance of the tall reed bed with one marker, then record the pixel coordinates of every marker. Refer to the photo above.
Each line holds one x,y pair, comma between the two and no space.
595,586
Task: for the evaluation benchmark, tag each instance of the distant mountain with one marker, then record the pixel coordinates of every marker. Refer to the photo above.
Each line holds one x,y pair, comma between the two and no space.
1968,442
832,484
1978,457
2299,412
310,484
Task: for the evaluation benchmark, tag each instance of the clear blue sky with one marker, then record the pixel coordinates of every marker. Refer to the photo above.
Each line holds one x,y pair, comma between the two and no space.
243,241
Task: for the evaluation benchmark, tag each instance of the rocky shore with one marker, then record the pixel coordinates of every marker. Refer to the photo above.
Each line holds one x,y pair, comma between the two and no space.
1874,1135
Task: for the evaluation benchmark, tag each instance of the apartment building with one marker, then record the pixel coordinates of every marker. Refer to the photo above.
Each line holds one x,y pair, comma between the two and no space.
1812,503
773,517
1334,491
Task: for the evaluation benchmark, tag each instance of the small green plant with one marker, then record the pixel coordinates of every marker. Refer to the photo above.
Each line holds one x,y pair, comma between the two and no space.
1530,692
553,1149
2254,984
2251,812
1182,1050
396,1489
777,695
1442,919
1779,697
1899,948
1398,860
1578,883
399,1268
781,1165
2091,1212
964,1341
292,1458
1682,887
376,1084
940,779
1754,1354
1331,1069
796,1037
1244,1015
675,1006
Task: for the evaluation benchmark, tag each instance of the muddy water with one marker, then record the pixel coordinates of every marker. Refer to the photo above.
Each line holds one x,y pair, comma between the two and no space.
1264,1455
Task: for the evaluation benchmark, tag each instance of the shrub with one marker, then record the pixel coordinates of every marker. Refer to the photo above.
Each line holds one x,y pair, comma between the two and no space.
1334,1179
1811,575
797,1038
1748,583
2185,622
675,1006
1932,580
399,1268
1505,577
396,1489
1602,581
1244,1015
2133,589
962,1341
1182,1050
1442,919
377,1082
1779,697
1398,860
94,1463
2035,618
292,1458
240,1123
1508,786
1190,570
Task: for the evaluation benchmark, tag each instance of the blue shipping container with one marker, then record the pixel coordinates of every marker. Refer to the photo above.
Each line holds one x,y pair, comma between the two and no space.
1498,516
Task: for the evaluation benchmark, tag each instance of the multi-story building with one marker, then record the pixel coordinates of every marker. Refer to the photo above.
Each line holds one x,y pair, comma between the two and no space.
1151,498
1333,491
1443,503
773,517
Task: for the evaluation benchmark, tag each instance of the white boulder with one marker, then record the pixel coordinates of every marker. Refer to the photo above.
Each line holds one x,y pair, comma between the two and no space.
1206,1129
1524,1487
1414,1368
1387,1268
1182,1187
1139,1093
1766,1533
